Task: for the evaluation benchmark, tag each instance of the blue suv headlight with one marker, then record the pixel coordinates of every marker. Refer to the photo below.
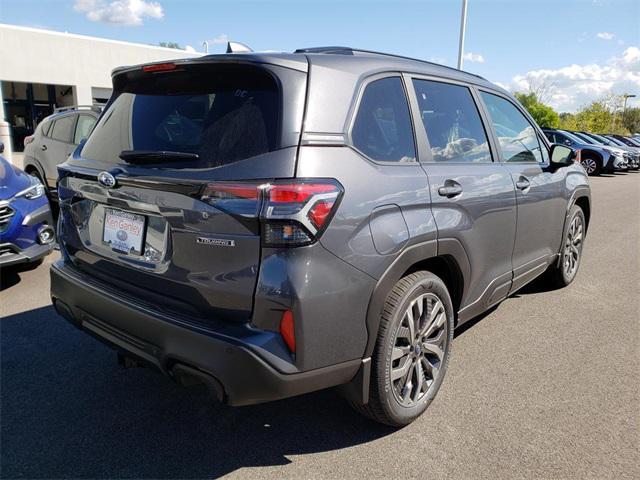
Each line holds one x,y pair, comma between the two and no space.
36,190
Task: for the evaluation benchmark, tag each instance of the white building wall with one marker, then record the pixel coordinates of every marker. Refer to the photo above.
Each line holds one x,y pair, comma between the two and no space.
42,56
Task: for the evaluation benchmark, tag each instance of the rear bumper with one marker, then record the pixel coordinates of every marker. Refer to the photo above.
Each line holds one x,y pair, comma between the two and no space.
10,254
236,367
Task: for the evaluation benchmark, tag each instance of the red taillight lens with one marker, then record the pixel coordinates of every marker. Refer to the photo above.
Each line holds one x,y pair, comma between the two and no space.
296,213
27,140
243,199
292,214
159,67
287,330
297,192
320,212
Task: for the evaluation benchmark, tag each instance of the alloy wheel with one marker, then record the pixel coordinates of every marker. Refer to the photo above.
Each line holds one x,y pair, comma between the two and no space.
419,349
590,165
573,246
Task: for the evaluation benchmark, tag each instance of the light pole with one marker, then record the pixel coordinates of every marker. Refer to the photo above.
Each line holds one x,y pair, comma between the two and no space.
624,107
205,44
463,27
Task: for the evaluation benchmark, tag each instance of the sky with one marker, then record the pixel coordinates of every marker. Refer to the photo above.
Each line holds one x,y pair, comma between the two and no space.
576,50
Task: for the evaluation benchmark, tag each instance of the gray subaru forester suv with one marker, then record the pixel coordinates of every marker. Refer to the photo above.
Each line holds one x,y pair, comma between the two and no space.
274,224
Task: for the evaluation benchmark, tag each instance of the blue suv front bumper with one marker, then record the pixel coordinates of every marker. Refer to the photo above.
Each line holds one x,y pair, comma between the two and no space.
21,221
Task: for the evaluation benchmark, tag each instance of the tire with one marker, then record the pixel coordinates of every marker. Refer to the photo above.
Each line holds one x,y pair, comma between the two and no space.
564,272
36,174
397,399
592,166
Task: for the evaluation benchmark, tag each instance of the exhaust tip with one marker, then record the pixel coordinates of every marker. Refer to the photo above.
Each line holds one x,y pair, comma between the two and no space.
188,376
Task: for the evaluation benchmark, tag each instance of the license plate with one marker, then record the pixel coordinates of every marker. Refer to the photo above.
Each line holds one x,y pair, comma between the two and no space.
123,231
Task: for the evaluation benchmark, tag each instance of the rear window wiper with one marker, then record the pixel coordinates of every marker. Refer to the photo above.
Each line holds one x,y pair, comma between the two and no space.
153,156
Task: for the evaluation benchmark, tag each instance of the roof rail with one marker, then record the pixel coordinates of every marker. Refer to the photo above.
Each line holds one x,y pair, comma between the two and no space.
353,51
96,107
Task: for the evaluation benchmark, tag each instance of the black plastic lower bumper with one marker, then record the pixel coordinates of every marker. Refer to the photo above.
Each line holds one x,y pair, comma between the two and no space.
12,255
231,367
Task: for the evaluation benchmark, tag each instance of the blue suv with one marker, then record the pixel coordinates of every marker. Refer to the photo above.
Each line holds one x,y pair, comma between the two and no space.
26,223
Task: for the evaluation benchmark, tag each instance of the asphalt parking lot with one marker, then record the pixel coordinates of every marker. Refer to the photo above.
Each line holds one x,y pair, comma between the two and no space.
547,385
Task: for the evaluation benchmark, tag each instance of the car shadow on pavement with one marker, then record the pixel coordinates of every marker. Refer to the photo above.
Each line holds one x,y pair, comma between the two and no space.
69,411
10,276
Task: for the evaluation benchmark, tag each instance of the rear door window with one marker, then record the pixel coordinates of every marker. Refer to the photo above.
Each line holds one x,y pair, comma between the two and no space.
452,122
382,128
83,128
62,128
223,114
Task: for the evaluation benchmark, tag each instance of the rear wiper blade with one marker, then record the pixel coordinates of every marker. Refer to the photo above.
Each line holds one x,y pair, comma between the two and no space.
151,156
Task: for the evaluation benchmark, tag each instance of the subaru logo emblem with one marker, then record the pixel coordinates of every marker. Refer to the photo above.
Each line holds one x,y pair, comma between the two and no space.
106,179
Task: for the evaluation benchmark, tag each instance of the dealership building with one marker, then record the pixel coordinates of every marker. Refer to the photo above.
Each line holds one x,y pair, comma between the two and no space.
41,70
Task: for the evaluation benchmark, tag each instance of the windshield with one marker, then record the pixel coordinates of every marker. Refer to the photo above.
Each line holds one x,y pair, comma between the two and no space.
615,141
572,137
585,138
600,139
219,114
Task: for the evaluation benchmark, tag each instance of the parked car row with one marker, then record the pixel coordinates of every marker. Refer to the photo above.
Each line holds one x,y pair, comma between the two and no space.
600,153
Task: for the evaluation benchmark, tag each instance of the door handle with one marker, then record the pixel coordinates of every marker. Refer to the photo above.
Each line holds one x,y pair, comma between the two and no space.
451,190
522,183
43,148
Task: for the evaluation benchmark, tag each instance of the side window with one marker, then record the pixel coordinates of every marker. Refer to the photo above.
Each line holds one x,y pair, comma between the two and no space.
83,128
551,136
46,128
62,128
563,139
516,136
382,129
452,122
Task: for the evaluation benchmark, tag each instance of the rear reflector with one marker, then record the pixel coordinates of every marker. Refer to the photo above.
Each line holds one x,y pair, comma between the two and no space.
287,330
159,67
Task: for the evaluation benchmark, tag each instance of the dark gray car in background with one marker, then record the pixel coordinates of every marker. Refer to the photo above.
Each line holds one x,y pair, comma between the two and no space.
274,224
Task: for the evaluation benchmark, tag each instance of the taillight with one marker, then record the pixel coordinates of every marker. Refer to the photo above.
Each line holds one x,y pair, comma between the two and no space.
296,213
292,213
27,140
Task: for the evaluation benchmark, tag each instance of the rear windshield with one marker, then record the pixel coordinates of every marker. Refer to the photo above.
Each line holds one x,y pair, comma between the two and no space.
222,113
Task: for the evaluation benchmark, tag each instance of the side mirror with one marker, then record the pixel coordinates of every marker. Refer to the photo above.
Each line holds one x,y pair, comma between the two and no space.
561,155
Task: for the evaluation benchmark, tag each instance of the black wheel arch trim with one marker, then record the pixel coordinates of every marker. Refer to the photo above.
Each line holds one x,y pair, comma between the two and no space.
35,163
578,193
409,257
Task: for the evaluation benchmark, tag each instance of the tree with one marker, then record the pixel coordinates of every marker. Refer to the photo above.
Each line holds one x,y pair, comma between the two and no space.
544,115
631,120
602,116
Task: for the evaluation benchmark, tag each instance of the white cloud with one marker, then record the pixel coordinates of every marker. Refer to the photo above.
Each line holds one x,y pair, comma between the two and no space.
473,57
221,39
119,12
568,88
190,49
605,35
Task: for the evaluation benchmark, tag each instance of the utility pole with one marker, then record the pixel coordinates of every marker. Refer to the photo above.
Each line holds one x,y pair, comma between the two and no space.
463,27
624,108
